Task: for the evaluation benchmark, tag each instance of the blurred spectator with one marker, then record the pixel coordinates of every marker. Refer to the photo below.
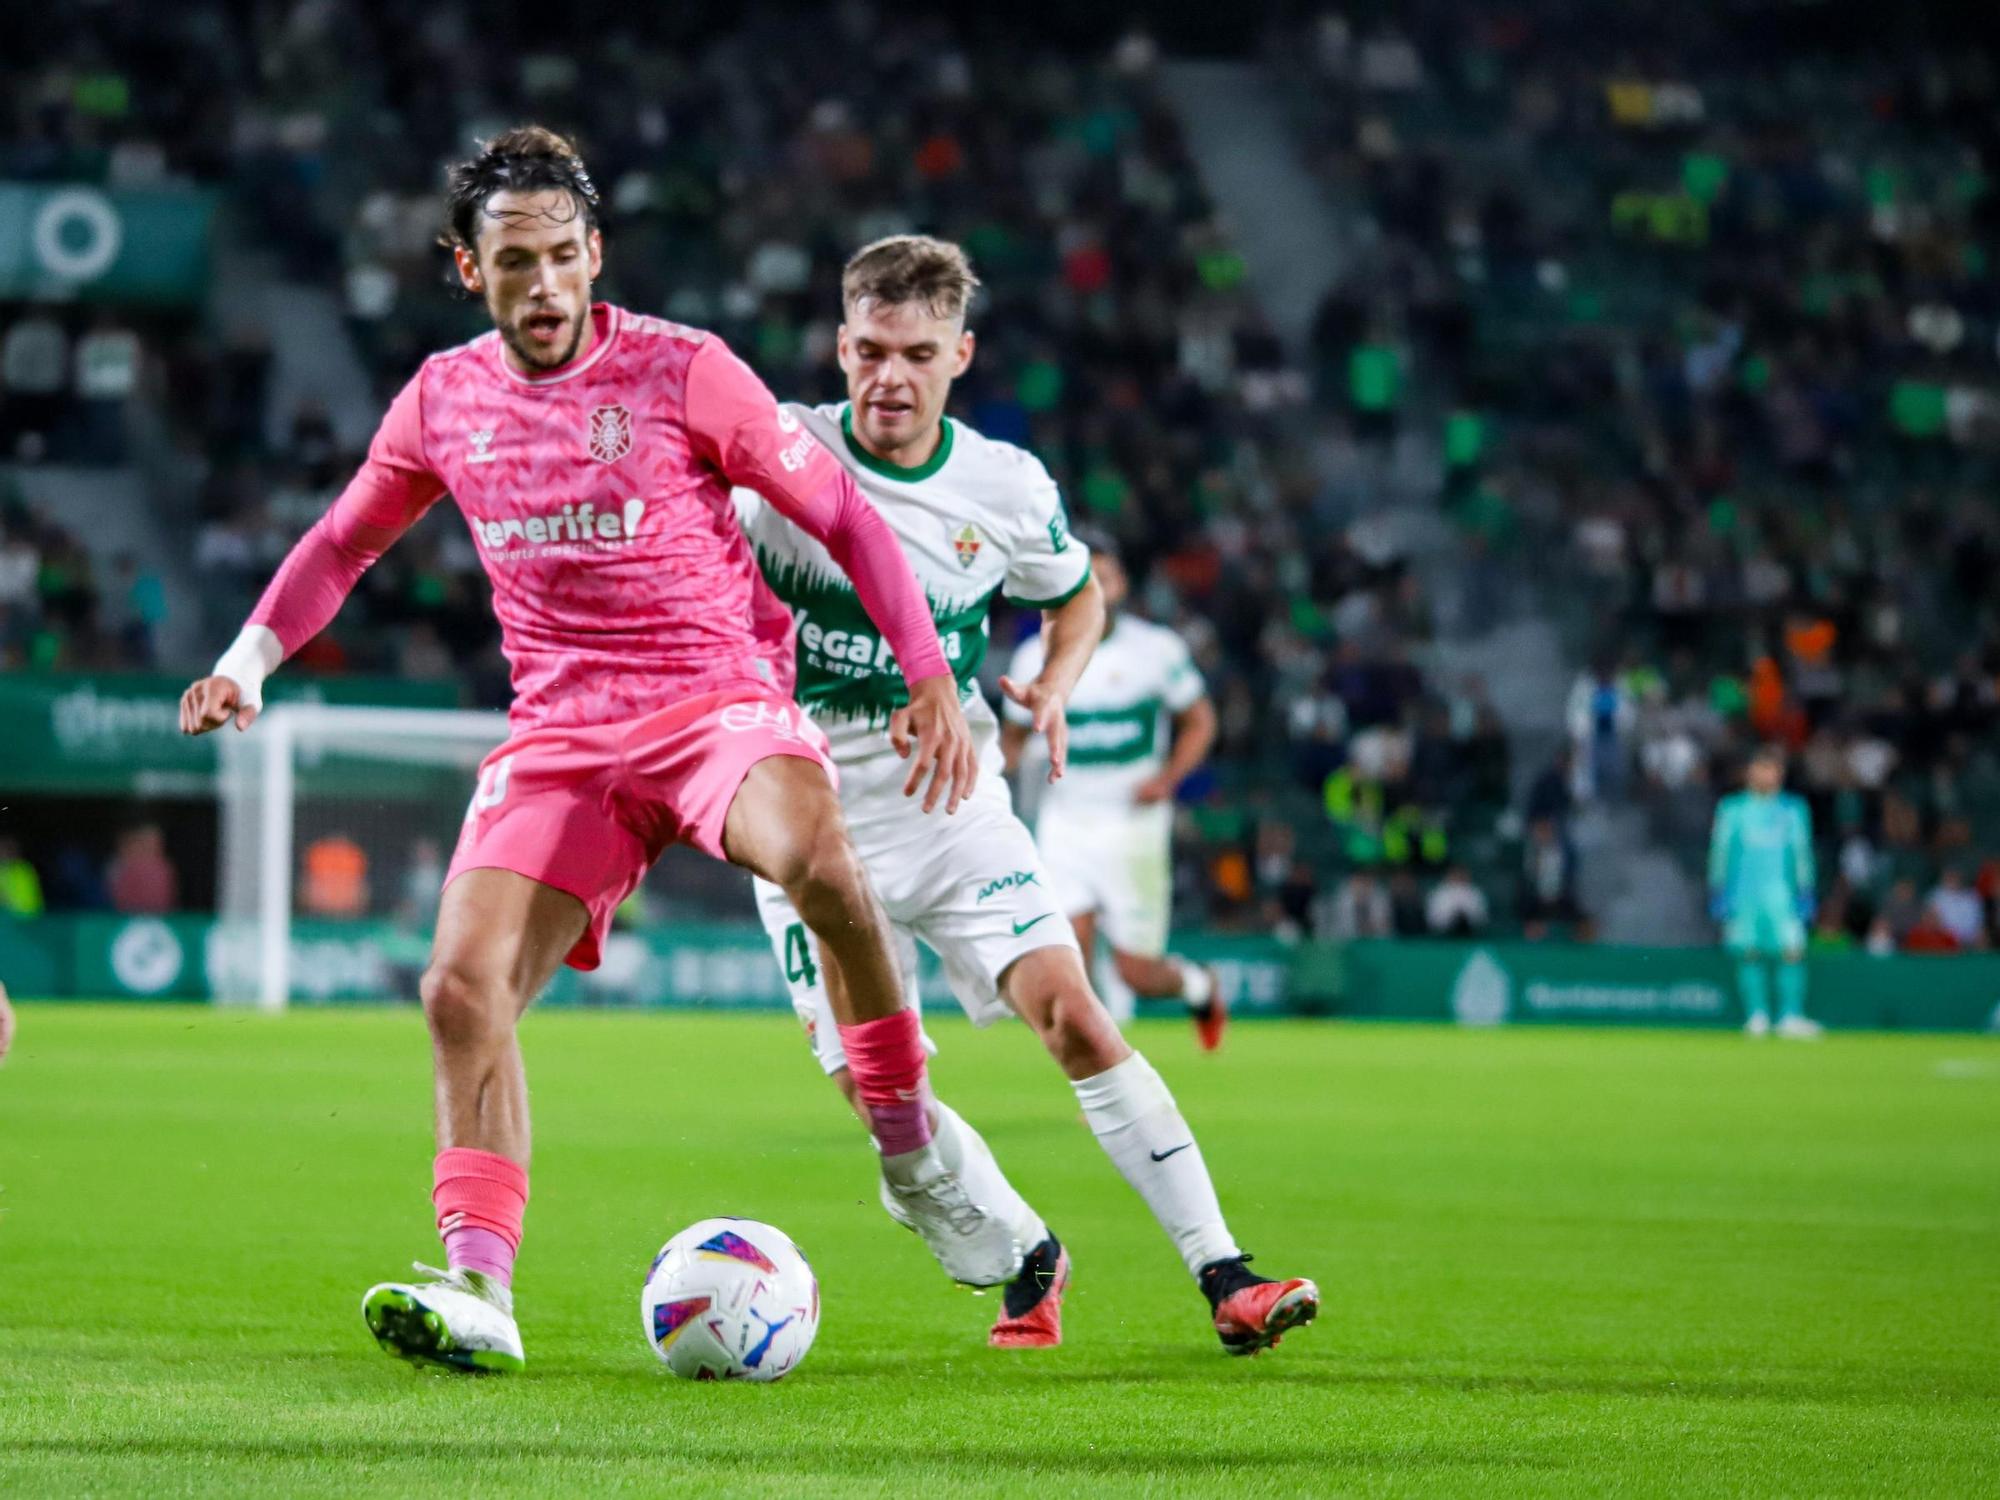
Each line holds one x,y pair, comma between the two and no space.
1361,909
1601,716
142,601
1406,904
336,883
78,881
1548,884
1551,795
1456,907
1956,907
20,886
141,879
1898,919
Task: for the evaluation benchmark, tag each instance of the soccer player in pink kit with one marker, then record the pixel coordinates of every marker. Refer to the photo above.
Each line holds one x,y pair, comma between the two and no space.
592,453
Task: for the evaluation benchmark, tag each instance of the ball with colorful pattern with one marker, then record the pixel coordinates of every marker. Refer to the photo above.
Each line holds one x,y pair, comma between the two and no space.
730,1299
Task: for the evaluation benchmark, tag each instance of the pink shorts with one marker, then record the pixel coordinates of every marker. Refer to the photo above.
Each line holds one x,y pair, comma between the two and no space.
587,810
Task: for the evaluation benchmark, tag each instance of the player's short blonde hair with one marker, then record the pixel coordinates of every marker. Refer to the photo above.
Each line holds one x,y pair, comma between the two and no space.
906,268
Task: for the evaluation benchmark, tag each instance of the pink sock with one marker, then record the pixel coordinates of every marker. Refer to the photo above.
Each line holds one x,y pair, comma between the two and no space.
469,1248
886,1058
481,1199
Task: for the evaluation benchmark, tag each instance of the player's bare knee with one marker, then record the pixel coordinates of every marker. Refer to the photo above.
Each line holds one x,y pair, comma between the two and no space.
828,885
463,1006
1049,990
1081,1035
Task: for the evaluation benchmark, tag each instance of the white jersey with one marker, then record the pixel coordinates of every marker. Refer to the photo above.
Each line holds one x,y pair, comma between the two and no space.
1120,714
980,518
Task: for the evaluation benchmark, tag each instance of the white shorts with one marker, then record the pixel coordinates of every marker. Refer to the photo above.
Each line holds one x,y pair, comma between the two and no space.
969,885
1119,868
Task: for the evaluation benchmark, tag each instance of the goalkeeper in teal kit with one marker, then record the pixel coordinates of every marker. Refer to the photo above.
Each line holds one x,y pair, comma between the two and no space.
1760,888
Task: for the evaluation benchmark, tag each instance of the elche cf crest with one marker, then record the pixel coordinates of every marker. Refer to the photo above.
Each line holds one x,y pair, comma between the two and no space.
965,542
610,434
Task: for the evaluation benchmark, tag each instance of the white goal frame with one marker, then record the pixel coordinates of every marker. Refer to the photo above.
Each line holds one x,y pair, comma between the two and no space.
256,788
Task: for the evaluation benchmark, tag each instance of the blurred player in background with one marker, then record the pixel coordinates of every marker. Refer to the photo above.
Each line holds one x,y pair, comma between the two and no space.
6,1024
976,517
1141,723
1760,888
591,453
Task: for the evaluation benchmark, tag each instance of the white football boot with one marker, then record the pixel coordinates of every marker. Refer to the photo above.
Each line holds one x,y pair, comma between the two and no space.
1759,1024
459,1320
969,1240
1801,1029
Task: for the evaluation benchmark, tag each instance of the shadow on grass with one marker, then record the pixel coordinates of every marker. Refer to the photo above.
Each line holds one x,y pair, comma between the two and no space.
854,1460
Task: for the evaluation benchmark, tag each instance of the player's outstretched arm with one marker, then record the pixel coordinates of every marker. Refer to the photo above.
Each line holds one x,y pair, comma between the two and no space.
736,423
393,487
1071,631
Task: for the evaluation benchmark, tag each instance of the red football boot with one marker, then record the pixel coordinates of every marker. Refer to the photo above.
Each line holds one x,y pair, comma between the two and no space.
1251,1313
1031,1315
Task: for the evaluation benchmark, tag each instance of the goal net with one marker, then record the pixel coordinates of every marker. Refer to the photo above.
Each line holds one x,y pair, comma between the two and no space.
337,815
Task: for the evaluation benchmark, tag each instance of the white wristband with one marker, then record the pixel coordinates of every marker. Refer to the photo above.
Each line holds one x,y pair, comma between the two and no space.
253,656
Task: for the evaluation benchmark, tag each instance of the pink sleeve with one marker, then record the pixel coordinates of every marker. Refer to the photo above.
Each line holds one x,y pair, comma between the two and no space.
736,424
392,488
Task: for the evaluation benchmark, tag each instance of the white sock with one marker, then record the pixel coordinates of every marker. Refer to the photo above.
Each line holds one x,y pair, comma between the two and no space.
1197,984
965,1151
1140,1128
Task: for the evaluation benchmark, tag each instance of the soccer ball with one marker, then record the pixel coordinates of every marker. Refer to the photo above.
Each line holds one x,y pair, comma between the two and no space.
730,1299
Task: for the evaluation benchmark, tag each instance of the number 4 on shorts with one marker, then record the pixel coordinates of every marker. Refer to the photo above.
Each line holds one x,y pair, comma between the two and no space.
799,966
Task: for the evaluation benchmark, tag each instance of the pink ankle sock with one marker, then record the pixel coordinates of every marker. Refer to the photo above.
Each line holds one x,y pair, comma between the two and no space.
468,1248
886,1058
481,1199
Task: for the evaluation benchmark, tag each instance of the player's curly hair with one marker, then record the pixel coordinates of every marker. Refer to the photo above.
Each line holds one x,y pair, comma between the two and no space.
935,274
528,158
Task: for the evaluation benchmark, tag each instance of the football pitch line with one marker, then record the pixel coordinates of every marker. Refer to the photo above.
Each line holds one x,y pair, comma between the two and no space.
1554,1262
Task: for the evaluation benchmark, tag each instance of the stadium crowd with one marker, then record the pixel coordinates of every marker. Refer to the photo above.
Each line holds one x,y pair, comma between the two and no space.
56,612
1117,341
1714,340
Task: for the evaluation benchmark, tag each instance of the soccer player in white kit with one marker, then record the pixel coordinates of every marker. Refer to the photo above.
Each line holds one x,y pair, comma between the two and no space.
975,517
1140,723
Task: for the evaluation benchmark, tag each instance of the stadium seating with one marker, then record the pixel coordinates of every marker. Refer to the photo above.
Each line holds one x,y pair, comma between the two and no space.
1117,340
1714,341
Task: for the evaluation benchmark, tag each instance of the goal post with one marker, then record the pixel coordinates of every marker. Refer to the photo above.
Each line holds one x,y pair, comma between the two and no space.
369,785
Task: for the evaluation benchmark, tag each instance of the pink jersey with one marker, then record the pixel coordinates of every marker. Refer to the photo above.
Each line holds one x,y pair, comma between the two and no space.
598,499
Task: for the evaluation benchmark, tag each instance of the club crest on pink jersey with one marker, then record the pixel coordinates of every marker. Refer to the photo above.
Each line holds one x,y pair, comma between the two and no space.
610,434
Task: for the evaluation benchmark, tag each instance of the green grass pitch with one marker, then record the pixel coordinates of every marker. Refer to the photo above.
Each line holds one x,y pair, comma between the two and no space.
1554,1262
